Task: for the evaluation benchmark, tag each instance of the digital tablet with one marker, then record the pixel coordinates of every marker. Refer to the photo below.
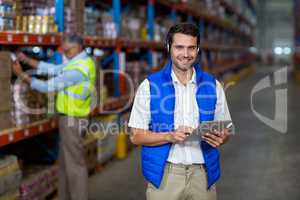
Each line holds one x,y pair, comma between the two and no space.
210,127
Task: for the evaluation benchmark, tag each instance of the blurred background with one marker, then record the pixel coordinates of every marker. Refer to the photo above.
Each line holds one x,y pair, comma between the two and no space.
251,46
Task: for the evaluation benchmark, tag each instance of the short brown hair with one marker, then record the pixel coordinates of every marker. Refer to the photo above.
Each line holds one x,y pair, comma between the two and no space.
184,28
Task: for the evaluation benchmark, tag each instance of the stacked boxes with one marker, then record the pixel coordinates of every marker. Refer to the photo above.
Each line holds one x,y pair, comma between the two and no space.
19,104
28,105
36,24
105,129
210,7
99,23
5,88
39,182
37,7
92,23
10,196
18,7
34,16
10,177
106,148
75,16
161,26
7,15
108,26
69,19
131,27
137,70
215,8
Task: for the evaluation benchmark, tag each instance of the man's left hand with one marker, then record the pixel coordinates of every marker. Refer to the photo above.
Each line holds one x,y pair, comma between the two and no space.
17,69
216,138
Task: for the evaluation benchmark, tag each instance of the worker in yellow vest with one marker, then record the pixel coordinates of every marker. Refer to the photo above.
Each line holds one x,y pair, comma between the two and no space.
74,81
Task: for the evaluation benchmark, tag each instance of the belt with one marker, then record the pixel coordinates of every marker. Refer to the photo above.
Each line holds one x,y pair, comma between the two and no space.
183,166
75,117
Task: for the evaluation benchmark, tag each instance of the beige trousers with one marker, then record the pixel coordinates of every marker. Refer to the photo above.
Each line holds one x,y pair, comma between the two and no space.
73,175
182,182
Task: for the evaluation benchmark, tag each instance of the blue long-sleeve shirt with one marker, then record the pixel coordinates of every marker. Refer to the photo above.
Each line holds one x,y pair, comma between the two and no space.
61,79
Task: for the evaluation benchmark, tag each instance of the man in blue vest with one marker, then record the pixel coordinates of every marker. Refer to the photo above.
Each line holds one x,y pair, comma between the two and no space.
168,105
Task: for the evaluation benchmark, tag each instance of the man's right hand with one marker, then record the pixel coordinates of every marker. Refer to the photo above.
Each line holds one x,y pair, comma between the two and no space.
27,60
179,135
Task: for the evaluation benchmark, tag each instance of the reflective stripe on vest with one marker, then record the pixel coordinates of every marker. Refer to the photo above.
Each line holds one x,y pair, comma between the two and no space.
83,67
85,94
75,100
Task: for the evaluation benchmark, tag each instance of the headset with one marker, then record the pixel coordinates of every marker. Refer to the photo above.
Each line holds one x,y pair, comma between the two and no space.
169,40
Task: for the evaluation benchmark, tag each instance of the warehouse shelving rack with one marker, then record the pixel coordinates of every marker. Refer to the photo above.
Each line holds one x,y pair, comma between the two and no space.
206,17
235,11
296,57
11,38
13,135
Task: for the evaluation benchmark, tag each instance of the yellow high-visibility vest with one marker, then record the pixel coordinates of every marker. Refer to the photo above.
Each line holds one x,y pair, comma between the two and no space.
76,100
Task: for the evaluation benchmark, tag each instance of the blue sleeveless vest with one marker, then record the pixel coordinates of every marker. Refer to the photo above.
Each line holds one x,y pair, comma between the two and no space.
162,105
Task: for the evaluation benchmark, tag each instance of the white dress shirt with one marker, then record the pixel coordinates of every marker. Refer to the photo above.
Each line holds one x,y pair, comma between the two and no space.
186,114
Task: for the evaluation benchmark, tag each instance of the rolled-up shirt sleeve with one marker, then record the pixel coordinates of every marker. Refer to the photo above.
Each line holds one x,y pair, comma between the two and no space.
58,83
44,68
140,113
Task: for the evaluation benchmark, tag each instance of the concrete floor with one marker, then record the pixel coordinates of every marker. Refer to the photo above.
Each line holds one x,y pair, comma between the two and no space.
258,163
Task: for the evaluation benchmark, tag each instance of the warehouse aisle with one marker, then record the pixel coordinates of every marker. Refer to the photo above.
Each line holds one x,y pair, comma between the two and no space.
259,163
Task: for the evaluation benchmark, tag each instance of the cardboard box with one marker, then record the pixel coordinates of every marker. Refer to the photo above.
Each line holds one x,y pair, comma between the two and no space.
5,64
5,97
10,195
106,148
10,174
77,8
38,182
10,182
5,120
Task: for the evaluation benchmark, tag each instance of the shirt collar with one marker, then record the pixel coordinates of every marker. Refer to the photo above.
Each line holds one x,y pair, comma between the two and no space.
81,55
175,79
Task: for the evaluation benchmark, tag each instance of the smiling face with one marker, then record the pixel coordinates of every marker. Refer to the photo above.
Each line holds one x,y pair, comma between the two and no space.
183,51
